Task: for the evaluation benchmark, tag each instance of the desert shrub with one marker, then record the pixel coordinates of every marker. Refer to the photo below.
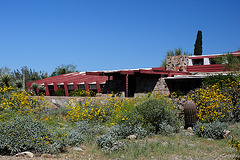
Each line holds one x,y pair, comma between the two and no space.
233,92
214,130
26,134
122,131
59,111
59,92
86,110
218,102
236,145
105,142
111,108
19,101
165,128
109,141
221,80
78,93
79,133
212,104
41,90
83,131
153,112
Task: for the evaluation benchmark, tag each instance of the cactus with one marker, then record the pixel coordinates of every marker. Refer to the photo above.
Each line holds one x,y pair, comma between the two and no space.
190,114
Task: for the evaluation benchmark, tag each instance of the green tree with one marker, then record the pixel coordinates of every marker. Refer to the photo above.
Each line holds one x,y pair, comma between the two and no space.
229,61
63,69
30,74
5,76
6,79
198,44
5,70
174,52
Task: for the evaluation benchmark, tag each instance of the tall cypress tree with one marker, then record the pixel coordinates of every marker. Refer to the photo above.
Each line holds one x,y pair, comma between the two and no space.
198,44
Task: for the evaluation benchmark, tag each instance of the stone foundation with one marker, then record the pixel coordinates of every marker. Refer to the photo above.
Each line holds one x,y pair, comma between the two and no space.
161,87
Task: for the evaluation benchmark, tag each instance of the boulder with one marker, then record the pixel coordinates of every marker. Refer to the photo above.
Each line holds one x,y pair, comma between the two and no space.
131,137
25,154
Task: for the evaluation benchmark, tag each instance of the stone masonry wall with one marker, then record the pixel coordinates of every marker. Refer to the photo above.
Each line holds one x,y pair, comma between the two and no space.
161,87
177,63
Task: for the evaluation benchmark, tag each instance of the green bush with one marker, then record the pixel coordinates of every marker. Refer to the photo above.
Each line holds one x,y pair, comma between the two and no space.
26,134
60,92
165,129
123,131
78,92
105,142
77,135
233,92
220,79
152,112
213,130
108,142
83,131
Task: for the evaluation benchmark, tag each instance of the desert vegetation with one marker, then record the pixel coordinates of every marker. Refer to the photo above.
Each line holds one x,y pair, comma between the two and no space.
146,127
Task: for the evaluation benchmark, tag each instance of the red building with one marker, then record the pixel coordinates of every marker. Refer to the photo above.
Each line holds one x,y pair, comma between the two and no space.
70,82
182,73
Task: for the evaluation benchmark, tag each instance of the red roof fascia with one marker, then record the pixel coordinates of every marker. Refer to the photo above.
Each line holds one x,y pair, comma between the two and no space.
159,68
130,72
237,53
99,73
149,72
206,68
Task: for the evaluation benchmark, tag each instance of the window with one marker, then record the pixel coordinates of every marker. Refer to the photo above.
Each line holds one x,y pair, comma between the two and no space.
197,62
81,86
92,86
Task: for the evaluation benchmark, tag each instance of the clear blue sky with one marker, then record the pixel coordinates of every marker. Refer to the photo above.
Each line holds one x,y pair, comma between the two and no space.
112,34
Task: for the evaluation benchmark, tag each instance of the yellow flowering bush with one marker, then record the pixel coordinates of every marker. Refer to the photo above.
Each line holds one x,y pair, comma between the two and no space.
26,133
113,108
86,110
19,101
78,92
129,111
217,102
236,145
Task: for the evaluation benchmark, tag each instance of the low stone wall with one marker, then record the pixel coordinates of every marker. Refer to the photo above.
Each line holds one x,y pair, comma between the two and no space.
60,101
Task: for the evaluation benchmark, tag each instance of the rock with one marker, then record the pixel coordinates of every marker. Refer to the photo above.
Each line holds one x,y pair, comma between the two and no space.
25,154
209,139
227,133
117,144
78,149
131,137
189,129
189,144
189,134
46,156
164,143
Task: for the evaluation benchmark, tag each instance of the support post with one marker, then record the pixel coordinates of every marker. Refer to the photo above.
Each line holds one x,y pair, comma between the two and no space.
75,86
46,89
98,87
55,87
127,85
87,89
66,89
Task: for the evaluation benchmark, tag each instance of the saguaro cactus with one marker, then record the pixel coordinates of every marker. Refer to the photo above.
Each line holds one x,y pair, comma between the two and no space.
190,113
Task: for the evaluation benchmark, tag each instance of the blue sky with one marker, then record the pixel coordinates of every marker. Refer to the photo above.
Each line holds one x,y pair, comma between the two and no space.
111,34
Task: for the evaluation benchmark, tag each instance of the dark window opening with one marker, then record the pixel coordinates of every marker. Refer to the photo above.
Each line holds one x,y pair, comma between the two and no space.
81,86
197,62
